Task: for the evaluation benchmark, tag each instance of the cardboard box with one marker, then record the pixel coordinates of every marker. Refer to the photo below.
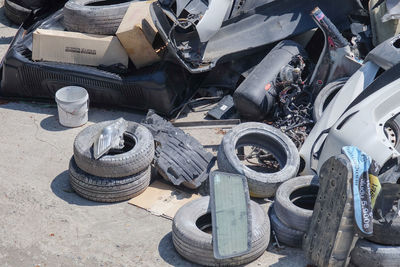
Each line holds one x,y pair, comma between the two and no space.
78,48
162,199
137,33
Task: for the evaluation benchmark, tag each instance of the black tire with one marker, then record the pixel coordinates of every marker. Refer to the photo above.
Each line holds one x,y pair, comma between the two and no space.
285,234
325,96
131,162
386,233
107,190
252,133
33,4
15,12
367,253
196,245
291,198
82,16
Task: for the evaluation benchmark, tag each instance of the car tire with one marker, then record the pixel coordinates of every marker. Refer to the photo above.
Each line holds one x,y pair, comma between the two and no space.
196,246
32,4
261,185
85,16
304,190
15,12
367,253
135,160
386,233
325,96
101,189
285,234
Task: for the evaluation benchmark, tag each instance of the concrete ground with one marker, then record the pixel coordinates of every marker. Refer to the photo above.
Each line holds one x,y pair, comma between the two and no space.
44,223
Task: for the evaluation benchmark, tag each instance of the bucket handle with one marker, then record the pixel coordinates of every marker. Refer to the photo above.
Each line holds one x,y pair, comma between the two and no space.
74,112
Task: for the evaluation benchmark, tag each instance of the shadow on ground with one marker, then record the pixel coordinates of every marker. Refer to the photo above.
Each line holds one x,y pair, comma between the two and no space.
288,255
168,253
285,262
62,188
5,40
51,122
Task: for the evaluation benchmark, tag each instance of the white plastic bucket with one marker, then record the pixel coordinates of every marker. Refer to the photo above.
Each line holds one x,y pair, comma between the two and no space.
73,106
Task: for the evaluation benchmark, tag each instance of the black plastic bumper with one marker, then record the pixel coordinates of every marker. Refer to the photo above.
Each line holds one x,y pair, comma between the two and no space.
160,87
268,23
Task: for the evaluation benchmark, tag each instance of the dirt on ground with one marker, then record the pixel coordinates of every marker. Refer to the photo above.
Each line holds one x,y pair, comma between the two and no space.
44,223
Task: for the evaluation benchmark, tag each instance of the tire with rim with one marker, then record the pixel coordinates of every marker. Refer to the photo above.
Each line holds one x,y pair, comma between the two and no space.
107,189
95,16
266,137
325,96
15,12
367,253
285,234
139,144
196,245
294,201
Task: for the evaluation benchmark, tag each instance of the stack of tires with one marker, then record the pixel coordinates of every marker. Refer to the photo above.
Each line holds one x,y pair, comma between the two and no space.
118,175
292,210
382,249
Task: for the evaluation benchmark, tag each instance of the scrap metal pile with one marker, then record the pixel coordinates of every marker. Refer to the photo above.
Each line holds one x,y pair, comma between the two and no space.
293,114
316,89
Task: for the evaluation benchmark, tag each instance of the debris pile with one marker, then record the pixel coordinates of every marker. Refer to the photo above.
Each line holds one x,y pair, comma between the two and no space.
179,158
316,100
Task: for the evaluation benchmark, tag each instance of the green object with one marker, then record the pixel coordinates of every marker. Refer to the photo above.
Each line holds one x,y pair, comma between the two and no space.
230,212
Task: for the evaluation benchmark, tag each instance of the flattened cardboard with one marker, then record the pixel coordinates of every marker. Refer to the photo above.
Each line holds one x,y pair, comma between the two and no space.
137,33
162,199
78,48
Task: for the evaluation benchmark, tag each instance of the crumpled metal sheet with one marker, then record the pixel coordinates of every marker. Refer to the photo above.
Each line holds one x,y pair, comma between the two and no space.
393,10
179,158
212,20
180,6
246,29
